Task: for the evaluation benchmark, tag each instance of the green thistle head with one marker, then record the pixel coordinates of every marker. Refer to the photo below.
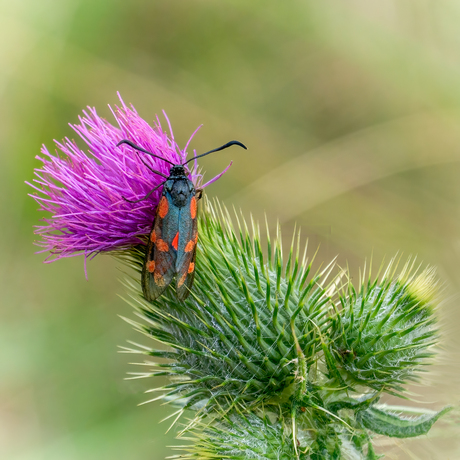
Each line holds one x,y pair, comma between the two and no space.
235,338
272,359
382,334
240,437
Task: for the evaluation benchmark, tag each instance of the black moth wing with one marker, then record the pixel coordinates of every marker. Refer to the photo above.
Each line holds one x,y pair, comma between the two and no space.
160,259
186,250
183,289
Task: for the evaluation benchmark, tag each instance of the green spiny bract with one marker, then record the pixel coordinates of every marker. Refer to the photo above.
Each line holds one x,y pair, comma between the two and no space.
381,336
273,357
234,339
269,436
240,437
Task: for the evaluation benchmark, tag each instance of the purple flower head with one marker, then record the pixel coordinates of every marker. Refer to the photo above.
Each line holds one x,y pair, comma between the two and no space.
85,191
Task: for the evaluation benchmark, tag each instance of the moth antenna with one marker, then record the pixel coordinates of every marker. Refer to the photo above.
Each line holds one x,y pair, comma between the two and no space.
153,170
146,196
134,146
222,147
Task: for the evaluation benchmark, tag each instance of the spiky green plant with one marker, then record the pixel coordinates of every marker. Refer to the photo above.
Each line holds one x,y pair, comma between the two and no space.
384,331
274,360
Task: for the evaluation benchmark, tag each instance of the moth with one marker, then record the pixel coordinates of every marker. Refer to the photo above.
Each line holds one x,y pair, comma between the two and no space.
171,249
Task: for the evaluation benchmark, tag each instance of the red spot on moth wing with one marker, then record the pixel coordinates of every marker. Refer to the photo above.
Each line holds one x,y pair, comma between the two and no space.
189,246
153,236
196,238
193,207
151,266
163,207
175,241
191,267
159,279
182,279
162,245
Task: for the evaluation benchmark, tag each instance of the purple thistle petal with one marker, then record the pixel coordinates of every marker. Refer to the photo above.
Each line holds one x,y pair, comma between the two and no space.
84,191
191,137
218,176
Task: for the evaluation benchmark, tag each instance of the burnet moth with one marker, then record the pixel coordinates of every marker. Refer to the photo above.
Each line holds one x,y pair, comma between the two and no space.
171,248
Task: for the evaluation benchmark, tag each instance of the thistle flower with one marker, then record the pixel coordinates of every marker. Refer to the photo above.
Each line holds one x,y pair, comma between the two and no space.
274,360
85,191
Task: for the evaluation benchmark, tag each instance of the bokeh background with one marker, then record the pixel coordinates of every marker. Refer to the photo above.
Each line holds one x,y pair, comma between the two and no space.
351,112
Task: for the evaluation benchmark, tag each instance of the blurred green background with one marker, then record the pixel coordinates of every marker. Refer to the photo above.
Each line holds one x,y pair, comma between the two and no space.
351,112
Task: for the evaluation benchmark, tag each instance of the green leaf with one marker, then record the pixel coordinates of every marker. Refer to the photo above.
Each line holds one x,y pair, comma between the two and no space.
397,426
371,455
353,403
